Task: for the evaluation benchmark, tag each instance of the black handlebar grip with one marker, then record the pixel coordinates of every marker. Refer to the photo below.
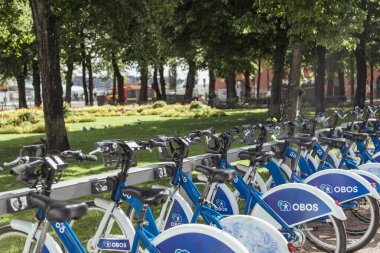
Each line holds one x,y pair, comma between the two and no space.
19,169
93,158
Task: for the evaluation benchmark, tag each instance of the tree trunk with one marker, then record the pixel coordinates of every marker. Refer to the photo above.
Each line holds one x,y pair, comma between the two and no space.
155,84
211,87
114,85
69,79
371,84
231,89
247,85
330,85
120,82
258,81
162,82
361,73
290,109
173,76
278,73
47,37
352,77
190,81
319,86
36,83
90,80
84,82
144,84
342,88
20,78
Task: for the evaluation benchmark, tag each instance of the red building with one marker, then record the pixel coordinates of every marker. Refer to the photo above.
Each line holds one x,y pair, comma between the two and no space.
266,78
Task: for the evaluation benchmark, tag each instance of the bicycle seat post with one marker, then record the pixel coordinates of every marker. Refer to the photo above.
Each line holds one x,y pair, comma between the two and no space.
296,160
252,176
44,224
141,220
203,199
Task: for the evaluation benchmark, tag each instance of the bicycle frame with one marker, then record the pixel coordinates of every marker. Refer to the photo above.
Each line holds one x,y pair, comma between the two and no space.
253,197
62,229
208,214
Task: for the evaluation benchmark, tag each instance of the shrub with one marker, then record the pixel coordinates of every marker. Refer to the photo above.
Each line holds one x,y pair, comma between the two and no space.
77,119
159,104
67,110
195,105
32,120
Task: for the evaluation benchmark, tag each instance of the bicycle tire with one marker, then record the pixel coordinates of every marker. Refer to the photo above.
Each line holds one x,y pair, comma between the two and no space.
7,245
341,239
366,234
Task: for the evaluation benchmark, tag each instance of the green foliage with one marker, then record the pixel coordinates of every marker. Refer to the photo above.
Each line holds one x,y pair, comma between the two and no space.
67,110
195,105
32,120
159,104
17,40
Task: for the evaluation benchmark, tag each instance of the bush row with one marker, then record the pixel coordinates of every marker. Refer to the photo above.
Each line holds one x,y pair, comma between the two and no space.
32,120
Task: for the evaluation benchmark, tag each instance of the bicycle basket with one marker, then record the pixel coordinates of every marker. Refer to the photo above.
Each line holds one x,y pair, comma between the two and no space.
279,133
163,154
114,160
212,144
37,150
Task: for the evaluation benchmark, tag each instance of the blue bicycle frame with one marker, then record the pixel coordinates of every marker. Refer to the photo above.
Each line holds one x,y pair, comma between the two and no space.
144,234
65,234
253,196
209,215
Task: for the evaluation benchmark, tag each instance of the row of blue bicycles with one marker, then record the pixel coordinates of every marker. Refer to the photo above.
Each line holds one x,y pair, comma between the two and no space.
292,192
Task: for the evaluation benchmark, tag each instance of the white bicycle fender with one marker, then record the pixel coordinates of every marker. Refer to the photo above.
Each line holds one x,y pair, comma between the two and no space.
376,156
255,234
371,173
180,212
351,152
373,168
341,185
334,158
202,177
120,216
26,227
296,204
284,167
197,238
224,200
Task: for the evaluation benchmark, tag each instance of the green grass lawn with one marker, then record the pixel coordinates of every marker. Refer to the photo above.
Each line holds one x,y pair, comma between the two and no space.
138,128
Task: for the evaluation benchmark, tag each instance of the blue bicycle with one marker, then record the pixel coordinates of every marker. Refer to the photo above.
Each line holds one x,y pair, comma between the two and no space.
23,236
346,187
288,207
255,234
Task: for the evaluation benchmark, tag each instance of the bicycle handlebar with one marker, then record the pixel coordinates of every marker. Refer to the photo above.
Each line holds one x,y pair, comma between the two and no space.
78,155
21,168
14,162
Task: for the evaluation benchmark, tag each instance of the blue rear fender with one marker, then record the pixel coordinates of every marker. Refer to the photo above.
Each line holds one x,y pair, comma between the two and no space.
341,185
297,203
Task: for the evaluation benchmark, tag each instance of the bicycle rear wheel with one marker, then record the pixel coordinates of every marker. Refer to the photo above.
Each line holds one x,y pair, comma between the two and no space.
327,235
13,241
362,223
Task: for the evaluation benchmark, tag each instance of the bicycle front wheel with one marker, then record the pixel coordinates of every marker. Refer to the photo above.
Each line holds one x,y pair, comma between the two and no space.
327,235
13,241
